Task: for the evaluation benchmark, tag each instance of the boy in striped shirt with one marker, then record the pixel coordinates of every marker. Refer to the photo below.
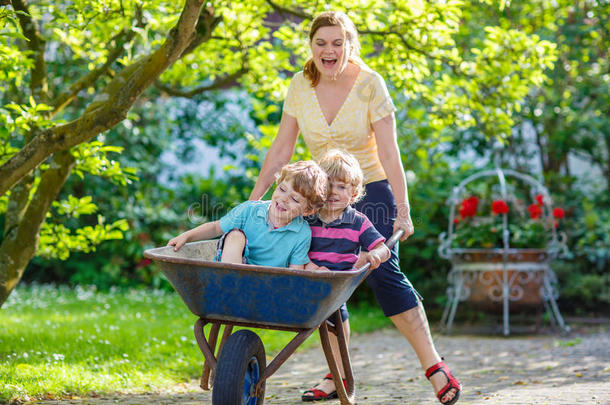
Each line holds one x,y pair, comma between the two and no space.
342,238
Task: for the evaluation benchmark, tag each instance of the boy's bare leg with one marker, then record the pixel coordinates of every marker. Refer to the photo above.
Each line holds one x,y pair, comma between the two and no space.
413,325
328,386
233,248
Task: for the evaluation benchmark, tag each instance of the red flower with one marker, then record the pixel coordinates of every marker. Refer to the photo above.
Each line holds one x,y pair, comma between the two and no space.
499,207
469,207
456,220
540,199
535,211
559,213
143,262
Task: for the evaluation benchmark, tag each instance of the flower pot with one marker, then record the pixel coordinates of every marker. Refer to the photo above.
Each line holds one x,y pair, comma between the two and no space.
483,271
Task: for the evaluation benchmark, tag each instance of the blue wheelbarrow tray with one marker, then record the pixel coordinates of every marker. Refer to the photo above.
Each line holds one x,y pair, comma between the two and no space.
261,296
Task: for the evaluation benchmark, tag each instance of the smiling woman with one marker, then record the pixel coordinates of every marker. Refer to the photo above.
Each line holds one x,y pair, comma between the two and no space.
338,102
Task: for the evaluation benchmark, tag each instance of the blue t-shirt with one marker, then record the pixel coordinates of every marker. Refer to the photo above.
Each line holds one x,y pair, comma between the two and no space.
279,247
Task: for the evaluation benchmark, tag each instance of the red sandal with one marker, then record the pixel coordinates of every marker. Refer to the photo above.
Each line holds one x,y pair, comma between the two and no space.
452,382
319,395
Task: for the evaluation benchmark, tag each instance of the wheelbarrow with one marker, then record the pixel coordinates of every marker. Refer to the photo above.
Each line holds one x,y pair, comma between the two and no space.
226,294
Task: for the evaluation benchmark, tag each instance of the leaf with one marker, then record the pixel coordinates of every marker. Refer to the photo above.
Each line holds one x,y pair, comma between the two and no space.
14,35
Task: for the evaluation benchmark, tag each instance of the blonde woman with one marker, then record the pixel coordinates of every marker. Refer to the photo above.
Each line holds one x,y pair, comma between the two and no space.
337,102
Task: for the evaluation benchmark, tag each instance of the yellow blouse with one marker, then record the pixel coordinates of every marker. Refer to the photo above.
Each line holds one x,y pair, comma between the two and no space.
367,102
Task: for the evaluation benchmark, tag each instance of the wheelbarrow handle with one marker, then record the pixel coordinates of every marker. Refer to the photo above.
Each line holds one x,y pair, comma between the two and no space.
395,238
389,243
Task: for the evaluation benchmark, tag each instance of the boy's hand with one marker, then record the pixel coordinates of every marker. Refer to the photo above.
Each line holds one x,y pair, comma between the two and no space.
313,266
374,259
178,241
363,259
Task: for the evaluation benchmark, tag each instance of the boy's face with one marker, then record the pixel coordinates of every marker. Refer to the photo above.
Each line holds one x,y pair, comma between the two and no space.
286,203
341,195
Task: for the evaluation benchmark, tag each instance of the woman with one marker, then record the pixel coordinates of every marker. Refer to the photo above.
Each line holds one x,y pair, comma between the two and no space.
337,102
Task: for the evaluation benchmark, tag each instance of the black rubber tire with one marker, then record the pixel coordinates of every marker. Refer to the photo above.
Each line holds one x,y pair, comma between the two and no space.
240,364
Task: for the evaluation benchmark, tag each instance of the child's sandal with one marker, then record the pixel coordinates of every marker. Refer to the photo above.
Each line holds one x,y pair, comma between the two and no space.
319,395
452,383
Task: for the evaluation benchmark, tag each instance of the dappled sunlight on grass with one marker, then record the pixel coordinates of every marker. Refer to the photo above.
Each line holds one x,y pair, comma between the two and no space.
57,341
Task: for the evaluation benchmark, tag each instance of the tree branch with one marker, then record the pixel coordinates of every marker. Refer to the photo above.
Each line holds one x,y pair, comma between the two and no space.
206,23
219,83
285,10
110,106
36,43
113,54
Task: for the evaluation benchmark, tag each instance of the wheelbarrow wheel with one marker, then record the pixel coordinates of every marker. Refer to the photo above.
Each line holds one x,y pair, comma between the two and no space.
240,365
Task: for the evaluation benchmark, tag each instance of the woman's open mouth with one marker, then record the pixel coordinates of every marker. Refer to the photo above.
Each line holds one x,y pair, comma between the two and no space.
329,62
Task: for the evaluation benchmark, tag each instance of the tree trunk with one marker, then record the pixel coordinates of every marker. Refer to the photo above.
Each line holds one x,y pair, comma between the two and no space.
21,241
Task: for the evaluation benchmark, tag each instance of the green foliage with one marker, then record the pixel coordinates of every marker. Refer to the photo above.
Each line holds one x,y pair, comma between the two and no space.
485,234
28,116
14,63
586,277
57,240
75,206
92,158
499,72
592,234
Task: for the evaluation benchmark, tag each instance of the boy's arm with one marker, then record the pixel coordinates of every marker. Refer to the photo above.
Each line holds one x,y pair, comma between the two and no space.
208,230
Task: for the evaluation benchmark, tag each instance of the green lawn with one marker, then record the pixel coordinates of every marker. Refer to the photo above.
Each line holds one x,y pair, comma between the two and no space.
58,342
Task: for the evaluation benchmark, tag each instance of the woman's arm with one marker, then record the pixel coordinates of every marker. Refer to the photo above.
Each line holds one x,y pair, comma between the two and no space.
278,155
387,149
208,230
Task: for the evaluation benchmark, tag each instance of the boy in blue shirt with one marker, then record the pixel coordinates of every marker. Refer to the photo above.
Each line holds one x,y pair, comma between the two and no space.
269,233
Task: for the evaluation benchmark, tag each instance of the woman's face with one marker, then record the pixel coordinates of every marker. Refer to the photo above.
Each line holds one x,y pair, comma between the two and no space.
330,51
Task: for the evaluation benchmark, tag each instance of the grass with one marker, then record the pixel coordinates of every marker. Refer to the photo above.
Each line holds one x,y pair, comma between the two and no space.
60,342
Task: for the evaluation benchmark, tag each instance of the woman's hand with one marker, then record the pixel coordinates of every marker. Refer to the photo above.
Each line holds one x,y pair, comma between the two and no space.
403,221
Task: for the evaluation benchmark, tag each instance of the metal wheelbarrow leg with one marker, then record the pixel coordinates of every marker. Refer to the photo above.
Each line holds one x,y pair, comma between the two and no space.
347,394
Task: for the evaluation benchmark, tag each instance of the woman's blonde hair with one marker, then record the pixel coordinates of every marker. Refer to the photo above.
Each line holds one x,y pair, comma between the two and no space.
333,19
343,166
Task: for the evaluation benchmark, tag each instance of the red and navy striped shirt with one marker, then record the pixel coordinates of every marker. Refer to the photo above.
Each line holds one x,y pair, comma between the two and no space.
338,244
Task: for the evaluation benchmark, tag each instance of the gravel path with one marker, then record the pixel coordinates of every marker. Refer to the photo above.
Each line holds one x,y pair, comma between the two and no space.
547,369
